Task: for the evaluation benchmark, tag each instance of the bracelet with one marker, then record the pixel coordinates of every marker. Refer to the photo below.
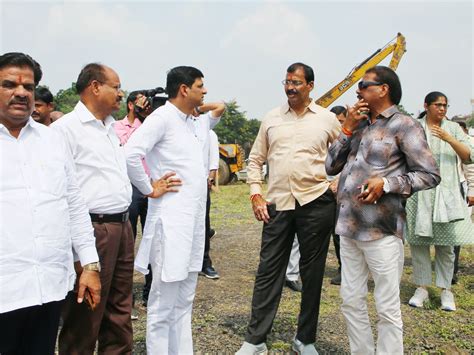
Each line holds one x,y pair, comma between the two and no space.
252,197
346,132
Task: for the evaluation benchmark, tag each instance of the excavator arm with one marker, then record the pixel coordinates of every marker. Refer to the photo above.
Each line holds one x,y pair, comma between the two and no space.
397,48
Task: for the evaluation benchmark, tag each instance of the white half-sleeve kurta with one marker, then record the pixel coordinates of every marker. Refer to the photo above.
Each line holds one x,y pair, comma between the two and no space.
172,141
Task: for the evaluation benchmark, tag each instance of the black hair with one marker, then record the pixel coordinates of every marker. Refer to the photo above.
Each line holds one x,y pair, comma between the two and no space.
462,124
91,72
133,96
387,76
179,76
337,110
17,59
430,98
42,93
308,71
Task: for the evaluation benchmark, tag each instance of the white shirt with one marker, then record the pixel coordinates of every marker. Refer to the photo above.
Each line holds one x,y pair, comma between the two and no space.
213,151
42,218
99,160
200,125
172,141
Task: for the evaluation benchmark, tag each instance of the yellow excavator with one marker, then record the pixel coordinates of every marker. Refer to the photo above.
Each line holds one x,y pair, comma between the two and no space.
231,155
395,46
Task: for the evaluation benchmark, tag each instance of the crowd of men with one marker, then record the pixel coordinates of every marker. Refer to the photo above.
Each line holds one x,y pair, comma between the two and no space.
70,191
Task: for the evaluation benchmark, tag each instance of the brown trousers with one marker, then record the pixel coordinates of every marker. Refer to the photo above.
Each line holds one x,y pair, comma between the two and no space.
110,323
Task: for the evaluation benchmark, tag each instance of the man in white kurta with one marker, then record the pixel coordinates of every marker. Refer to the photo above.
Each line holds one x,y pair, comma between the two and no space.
171,140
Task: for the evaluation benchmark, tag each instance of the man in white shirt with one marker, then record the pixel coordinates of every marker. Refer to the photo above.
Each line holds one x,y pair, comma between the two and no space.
101,171
42,215
171,139
211,163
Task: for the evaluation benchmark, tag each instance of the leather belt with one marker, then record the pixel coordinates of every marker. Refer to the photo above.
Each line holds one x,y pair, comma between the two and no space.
108,218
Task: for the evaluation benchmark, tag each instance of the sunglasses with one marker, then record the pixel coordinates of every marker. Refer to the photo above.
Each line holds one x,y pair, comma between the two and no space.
365,84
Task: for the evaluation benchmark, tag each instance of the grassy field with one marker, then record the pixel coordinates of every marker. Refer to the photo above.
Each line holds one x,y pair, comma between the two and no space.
222,307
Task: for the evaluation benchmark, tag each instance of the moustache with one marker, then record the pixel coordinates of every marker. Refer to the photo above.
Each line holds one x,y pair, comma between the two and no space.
19,100
293,92
35,113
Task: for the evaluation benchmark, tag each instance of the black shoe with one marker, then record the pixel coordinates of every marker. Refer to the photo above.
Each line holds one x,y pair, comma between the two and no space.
209,272
454,281
336,280
294,285
212,233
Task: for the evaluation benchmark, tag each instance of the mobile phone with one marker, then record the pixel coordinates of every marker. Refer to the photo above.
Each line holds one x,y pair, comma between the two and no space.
363,188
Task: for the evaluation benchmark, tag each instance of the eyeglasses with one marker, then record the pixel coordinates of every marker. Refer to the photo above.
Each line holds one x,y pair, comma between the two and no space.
440,105
292,82
365,84
116,88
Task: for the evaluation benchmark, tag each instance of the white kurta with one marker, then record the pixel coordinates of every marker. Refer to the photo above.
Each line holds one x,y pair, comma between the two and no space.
172,141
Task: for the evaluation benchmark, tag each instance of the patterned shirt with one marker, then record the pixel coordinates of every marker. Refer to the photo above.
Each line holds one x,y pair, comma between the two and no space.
394,147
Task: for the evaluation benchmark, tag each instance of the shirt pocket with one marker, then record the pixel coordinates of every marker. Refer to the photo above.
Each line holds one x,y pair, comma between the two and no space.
53,178
377,152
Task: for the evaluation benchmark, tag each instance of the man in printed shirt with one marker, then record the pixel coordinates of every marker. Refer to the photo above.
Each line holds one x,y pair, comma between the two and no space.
42,214
102,174
294,139
384,158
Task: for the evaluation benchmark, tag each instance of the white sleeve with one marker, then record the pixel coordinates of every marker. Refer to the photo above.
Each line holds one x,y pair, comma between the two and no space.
82,232
213,151
138,146
213,120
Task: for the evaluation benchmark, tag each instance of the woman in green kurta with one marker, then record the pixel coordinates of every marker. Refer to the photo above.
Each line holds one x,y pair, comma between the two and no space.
439,216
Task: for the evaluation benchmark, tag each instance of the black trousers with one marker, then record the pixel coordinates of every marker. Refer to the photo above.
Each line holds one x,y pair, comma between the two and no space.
30,330
312,224
139,209
337,247
206,262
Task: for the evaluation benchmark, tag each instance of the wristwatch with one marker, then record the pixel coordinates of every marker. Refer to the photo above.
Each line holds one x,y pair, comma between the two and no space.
386,186
92,267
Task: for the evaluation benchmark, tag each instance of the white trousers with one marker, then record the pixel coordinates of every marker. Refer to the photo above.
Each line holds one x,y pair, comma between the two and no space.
383,259
444,265
293,268
170,305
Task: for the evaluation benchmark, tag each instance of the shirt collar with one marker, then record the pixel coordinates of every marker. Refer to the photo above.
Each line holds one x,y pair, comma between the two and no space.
388,113
180,113
311,107
126,122
86,116
31,124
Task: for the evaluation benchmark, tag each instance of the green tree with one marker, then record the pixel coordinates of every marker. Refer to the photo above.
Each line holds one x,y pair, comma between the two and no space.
234,126
66,99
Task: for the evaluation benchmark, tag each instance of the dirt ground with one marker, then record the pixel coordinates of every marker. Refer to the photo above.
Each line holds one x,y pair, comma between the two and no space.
222,307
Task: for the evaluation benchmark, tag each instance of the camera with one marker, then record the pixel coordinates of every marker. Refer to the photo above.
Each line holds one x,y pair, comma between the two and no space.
156,97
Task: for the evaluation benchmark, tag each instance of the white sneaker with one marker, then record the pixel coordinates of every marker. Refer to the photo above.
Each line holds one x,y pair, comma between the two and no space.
420,296
447,301
251,349
303,349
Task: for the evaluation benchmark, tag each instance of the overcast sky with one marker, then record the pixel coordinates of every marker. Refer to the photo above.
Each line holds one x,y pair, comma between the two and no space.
244,48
